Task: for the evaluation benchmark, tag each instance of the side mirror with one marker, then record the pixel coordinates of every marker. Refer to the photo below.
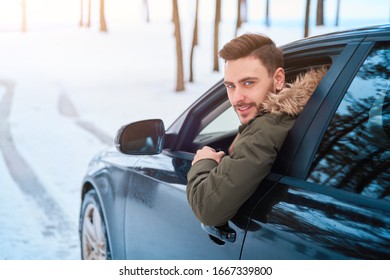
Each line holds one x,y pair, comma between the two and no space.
141,138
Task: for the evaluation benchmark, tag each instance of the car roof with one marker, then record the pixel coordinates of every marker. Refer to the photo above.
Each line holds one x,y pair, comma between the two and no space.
338,37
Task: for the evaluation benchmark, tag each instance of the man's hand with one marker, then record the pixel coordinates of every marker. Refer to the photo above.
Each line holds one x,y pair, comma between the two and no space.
208,153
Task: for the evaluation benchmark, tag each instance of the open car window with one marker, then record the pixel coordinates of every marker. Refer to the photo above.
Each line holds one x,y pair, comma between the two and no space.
218,127
225,122
220,132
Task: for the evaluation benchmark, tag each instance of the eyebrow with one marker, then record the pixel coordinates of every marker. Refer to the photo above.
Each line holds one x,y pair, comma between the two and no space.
241,80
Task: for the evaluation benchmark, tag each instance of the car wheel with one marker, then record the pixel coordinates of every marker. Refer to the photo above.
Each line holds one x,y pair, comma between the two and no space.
93,234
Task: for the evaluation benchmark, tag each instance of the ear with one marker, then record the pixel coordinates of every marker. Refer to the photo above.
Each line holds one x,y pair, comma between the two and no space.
279,79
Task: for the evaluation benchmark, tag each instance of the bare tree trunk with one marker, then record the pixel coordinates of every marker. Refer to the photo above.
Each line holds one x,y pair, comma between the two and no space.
81,13
89,14
179,50
244,11
337,13
146,5
103,24
24,16
267,20
194,41
320,13
307,15
216,33
239,20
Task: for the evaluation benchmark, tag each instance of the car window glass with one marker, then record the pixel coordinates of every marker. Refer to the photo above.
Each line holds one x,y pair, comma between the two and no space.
354,154
227,121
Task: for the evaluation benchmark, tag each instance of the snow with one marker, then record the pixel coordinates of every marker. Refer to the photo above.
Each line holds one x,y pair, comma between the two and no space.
64,92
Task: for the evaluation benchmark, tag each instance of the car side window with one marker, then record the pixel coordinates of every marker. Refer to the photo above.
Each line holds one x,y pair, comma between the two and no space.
226,121
354,154
218,129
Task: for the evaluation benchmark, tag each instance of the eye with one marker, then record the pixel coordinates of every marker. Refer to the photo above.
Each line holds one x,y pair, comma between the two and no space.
229,86
247,83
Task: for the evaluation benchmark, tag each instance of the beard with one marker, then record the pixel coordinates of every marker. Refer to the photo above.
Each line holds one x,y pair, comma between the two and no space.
260,108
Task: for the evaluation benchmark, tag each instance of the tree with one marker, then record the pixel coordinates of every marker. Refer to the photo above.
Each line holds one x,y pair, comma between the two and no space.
239,19
81,13
337,13
307,14
179,50
81,22
241,14
103,24
194,41
216,33
89,14
320,13
267,21
244,11
146,5
24,16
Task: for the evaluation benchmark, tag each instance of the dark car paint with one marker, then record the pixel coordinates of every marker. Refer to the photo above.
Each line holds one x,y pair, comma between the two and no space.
148,217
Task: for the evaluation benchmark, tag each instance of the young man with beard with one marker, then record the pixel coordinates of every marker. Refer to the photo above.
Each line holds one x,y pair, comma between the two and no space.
255,82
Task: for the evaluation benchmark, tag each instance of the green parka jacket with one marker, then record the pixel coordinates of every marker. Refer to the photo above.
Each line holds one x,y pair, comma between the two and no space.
215,192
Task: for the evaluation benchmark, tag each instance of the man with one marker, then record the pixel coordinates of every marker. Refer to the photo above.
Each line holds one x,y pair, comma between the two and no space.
255,82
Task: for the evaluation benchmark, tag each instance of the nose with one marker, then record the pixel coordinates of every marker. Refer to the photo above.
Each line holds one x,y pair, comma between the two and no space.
237,96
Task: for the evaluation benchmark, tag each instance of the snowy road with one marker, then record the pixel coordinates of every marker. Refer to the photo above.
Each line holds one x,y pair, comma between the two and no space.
48,219
41,227
32,230
58,108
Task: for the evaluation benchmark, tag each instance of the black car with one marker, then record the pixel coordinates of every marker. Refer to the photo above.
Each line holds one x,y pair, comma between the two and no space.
327,197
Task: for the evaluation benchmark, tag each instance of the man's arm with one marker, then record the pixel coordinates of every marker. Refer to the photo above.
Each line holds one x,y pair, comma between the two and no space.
215,191
231,147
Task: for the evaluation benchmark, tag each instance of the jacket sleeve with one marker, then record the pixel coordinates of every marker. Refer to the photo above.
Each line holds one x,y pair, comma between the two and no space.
216,192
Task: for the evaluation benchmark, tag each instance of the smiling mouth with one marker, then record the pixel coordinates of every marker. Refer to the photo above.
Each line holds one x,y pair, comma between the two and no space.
242,108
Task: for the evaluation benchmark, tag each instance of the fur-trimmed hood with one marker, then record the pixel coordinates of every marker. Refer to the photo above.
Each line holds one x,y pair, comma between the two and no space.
294,96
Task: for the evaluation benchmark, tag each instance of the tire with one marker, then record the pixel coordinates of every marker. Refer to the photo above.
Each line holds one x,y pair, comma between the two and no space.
93,233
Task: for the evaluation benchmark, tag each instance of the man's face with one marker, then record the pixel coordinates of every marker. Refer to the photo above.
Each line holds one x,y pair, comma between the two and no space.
247,82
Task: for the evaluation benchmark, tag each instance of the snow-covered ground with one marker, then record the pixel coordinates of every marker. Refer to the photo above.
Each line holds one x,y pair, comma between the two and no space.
64,92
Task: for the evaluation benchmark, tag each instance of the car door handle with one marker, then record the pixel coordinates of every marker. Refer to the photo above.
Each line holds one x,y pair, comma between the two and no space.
224,233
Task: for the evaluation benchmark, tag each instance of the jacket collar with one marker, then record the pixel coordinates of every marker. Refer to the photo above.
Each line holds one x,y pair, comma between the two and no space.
294,96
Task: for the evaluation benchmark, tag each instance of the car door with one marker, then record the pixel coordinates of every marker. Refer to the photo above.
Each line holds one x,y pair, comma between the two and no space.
334,202
159,222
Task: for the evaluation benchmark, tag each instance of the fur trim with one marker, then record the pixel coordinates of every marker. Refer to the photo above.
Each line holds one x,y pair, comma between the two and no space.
293,97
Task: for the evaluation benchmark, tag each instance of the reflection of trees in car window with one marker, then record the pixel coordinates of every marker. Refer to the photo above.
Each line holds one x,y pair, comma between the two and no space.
354,154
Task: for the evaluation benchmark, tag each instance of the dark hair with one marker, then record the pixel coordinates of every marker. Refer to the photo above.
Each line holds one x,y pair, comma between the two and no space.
257,45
